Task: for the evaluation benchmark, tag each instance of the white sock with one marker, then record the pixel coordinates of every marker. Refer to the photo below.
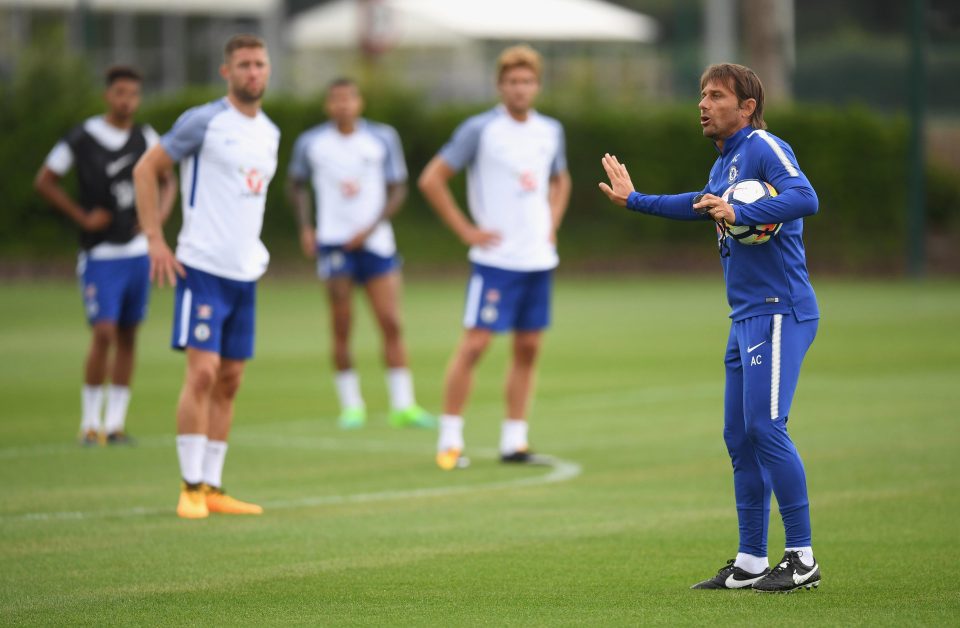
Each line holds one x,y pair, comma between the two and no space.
400,385
213,457
451,433
348,389
92,405
806,554
118,398
190,452
751,563
513,436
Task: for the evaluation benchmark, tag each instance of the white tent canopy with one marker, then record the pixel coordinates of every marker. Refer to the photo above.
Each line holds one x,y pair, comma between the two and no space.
415,23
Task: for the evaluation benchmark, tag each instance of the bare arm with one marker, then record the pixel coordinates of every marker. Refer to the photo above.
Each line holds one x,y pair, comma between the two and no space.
168,194
149,171
434,183
396,195
298,195
47,183
559,198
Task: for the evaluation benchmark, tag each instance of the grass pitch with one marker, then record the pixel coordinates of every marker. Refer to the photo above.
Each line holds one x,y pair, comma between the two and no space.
362,529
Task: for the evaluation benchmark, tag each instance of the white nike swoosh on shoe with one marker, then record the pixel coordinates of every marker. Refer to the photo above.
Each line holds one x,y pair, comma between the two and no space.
798,579
733,583
750,349
114,167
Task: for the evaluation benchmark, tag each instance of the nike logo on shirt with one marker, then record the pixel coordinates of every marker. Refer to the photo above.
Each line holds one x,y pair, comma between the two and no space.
114,167
750,349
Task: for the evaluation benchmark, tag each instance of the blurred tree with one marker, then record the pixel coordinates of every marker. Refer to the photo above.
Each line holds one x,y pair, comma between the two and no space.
50,92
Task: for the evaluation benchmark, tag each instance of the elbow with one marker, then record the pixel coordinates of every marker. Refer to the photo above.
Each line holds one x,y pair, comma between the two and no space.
40,181
423,181
813,203
139,172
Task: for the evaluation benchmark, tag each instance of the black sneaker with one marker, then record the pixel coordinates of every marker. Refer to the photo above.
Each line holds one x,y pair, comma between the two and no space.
525,456
731,577
791,574
120,438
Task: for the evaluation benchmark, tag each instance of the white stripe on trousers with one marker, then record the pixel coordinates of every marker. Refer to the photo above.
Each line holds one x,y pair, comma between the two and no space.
185,306
470,310
775,368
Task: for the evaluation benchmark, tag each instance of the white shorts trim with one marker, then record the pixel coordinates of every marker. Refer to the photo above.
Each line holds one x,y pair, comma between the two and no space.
775,368
185,306
472,308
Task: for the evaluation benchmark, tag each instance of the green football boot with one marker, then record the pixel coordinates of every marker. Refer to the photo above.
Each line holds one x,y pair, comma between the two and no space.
414,416
352,418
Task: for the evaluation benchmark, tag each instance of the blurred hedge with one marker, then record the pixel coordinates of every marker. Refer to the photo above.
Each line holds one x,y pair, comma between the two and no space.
855,159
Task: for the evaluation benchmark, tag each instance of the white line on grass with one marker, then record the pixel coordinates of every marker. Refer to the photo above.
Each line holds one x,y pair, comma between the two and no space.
633,397
560,471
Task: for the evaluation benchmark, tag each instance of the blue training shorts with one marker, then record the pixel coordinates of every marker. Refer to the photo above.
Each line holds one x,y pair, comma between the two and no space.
359,265
502,300
212,313
115,290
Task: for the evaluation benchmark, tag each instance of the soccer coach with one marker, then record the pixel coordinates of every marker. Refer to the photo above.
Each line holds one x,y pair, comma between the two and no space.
774,321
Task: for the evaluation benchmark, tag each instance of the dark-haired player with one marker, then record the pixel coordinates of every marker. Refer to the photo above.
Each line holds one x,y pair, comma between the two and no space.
359,180
775,318
113,265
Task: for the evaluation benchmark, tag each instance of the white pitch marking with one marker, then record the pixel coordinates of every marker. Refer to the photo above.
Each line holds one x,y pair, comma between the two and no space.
560,471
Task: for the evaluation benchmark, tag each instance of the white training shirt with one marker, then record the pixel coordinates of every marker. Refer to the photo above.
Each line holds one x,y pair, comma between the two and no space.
350,174
509,165
60,162
227,160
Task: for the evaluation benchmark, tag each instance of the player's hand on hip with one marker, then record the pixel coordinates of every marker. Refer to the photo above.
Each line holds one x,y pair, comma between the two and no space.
475,236
308,242
620,185
716,208
97,220
163,264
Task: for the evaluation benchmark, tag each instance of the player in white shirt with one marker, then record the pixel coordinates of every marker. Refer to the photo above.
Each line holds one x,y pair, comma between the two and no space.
227,151
518,189
359,177
113,267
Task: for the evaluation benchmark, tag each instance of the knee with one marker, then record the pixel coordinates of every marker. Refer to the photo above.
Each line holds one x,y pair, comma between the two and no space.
228,384
525,350
391,327
126,338
472,350
201,378
735,440
759,430
104,335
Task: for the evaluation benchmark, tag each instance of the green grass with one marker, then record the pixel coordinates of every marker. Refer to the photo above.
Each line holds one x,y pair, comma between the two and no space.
361,529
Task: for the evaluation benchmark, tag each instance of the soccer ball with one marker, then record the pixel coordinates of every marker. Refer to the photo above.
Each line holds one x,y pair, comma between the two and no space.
744,193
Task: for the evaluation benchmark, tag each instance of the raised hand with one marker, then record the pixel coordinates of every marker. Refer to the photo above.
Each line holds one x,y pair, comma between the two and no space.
620,184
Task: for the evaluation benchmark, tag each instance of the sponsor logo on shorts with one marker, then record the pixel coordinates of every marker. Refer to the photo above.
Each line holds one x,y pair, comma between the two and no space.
493,295
204,312
201,332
